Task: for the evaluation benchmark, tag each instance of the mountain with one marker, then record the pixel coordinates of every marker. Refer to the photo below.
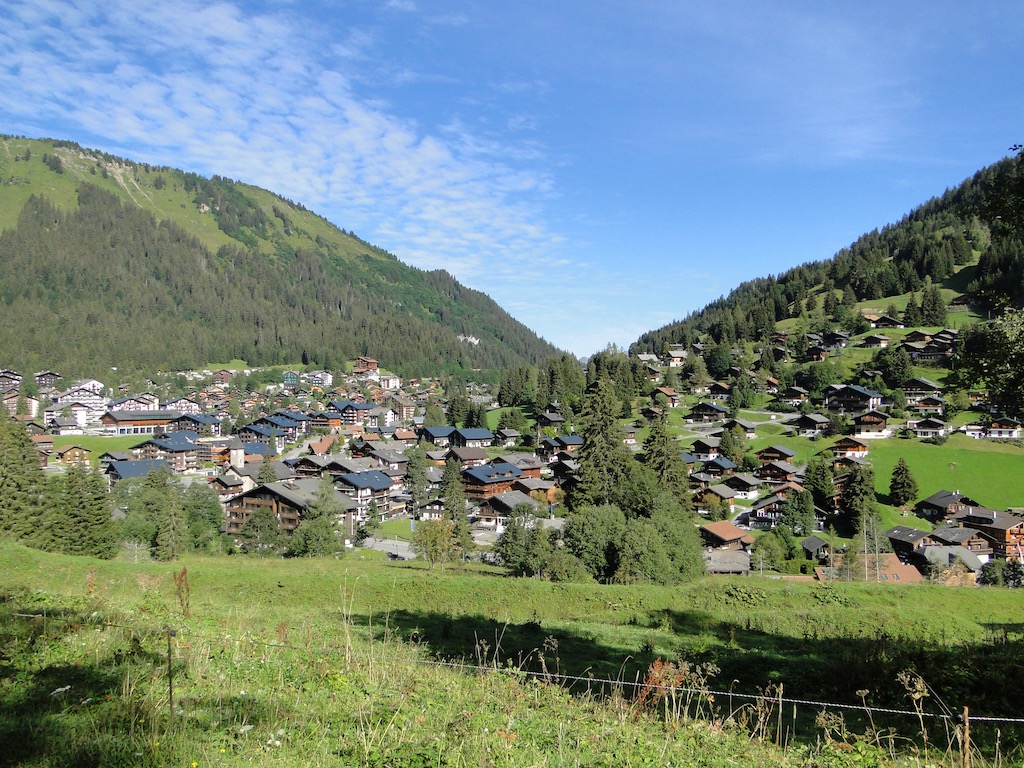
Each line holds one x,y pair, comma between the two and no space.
969,241
107,262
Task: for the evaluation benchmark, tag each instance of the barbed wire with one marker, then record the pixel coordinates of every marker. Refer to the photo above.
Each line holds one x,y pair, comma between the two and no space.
589,680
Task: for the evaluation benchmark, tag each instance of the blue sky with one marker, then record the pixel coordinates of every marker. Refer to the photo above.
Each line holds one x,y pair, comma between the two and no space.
599,168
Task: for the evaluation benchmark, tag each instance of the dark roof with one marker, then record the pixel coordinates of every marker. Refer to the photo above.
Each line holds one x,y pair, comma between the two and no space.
906,534
493,473
374,480
124,470
475,433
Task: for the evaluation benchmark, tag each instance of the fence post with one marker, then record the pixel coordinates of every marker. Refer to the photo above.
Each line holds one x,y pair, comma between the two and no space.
966,740
170,678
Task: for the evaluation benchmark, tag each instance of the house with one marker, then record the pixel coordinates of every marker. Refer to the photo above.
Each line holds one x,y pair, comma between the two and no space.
472,437
884,567
1004,428
775,472
74,454
1004,530
886,321
745,485
718,467
848,447
930,405
47,379
874,341
201,423
727,562
725,535
366,489
119,470
183,405
550,419
793,396
705,413
811,425
706,448
439,436
496,511
288,500
775,453
671,396
815,548
871,425
483,482
928,428
905,540
467,457
919,387
719,390
273,438
748,428
506,438
942,505
178,449
15,399
958,536
851,398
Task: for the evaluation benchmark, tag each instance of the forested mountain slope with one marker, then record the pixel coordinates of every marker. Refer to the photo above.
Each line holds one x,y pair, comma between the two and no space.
982,219
105,262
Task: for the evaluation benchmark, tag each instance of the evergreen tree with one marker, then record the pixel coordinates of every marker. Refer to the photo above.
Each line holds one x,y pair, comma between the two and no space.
261,534
82,524
173,538
434,416
662,455
604,460
266,473
454,497
22,481
204,514
857,500
819,481
515,419
458,407
903,486
416,482
594,534
797,514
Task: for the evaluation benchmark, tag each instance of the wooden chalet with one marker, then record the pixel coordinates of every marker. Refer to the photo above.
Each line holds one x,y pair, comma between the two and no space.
483,482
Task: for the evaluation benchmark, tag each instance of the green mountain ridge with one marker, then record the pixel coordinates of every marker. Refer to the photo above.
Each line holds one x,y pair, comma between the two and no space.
106,262
968,241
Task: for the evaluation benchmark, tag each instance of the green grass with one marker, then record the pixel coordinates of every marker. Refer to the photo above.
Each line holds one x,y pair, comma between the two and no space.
308,662
98,445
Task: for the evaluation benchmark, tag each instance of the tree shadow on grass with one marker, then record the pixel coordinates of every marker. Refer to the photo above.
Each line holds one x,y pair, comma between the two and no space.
63,706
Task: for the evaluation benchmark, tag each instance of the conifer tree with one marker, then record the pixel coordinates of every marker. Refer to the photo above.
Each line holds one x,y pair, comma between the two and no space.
604,460
173,537
416,482
902,486
266,474
82,524
662,455
22,482
454,497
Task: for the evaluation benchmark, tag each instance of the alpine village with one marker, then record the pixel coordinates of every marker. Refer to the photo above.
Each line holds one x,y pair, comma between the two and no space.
268,492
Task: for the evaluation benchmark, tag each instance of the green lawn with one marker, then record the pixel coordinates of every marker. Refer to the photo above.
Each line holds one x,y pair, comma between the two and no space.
99,445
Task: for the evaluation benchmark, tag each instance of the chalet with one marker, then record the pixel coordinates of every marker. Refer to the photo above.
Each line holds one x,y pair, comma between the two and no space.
390,460
506,438
481,483
439,436
793,396
959,536
467,457
815,548
366,489
718,467
835,339
775,453
550,419
9,378
569,443
871,425
850,448
748,428
905,541
64,425
286,427
273,438
919,387
1004,428
404,407
765,513
942,505
351,413
290,379
719,390
883,568
677,356
527,463
1005,531
775,472
745,485
725,535
716,495
849,398
706,413
74,454
178,449
928,428
727,562
14,400
183,405
201,423
653,413
930,405
223,376
672,397
138,422
706,448
288,500
811,425
817,353
120,469
47,379
886,321
629,434
496,511
472,437
874,341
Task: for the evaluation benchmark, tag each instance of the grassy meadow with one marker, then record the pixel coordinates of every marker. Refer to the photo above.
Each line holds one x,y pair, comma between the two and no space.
317,662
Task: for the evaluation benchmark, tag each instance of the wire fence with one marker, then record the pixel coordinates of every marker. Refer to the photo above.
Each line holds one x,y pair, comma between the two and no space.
591,681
